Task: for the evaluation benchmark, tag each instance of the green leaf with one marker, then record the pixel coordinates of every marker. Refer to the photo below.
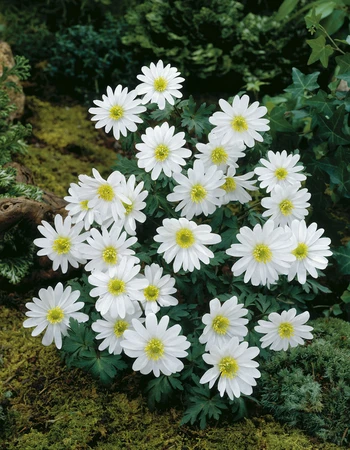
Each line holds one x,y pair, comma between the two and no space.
312,20
161,388
278,121
302,83
162,114
346,295
338,170
343,62
197,120
286,8
320,51
320,103
342,256
331,128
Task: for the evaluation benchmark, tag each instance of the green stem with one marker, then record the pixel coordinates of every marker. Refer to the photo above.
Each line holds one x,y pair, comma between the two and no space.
327,35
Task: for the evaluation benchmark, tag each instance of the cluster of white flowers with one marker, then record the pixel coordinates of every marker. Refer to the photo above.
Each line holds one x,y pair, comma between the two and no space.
129,295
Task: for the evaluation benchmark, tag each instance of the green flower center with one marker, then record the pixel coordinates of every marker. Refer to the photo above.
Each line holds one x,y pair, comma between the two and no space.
109,255
229,185
84,205
301,251
151,293
160,84
285,330
281,173
62,245
119,327
286,207
154,349
128,208
239,124
198,193
219,156
55,315
228,367
106,192
116,112
116,287
185,238
220,324
262,253
161,152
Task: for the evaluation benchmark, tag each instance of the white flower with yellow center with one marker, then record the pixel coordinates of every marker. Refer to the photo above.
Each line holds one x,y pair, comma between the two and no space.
286,204
159,289
159,84
240,122
111,330
52,310
162,151
118,110
223,322
106,248
220,152
118,289
235,187
279,169
185,242
284,330
264,253
309,249
199,192
233,365
155,347
62,244
78,207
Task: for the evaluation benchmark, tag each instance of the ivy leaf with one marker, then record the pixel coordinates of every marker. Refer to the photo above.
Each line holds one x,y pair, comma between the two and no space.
343,62
331,129
302,83
312,20
339,172
320,103
286,8
342,256
320,51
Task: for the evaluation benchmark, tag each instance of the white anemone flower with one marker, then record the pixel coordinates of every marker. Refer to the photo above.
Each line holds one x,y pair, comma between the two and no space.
199,192
235,187
284,330
155,346
111,330
309,249
279,169
185,242
118,289
224,321
62,244
159,84
220,152
233,365
106,248
52,310
78,208
264,253
286,204
162,151
240,122
118,110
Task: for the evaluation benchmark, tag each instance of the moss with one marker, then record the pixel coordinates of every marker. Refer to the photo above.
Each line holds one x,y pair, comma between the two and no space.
66,144
59,409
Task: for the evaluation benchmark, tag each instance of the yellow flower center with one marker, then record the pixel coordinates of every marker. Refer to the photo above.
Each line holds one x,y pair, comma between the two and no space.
160,84
198,193
151,293
105,191
55,315
161,152
84,205
228,367
185,238
220,324
286,207
154,349
262,253
119,327
281,173
116,287
116,112
301,251
219,156
229,185
285,330
239,124
109,255
62,245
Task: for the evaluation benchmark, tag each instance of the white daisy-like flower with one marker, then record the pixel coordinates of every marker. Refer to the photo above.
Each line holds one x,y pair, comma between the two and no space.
105,196
106,248
111,330
118,289
78,207
162,151
223,322
159,84
199,192
279,169
284,330
62,244
235,187
185,242
220,152
240,122
118,110
309,249
52,310
155,347
159,289
234,366
286,204
264,253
